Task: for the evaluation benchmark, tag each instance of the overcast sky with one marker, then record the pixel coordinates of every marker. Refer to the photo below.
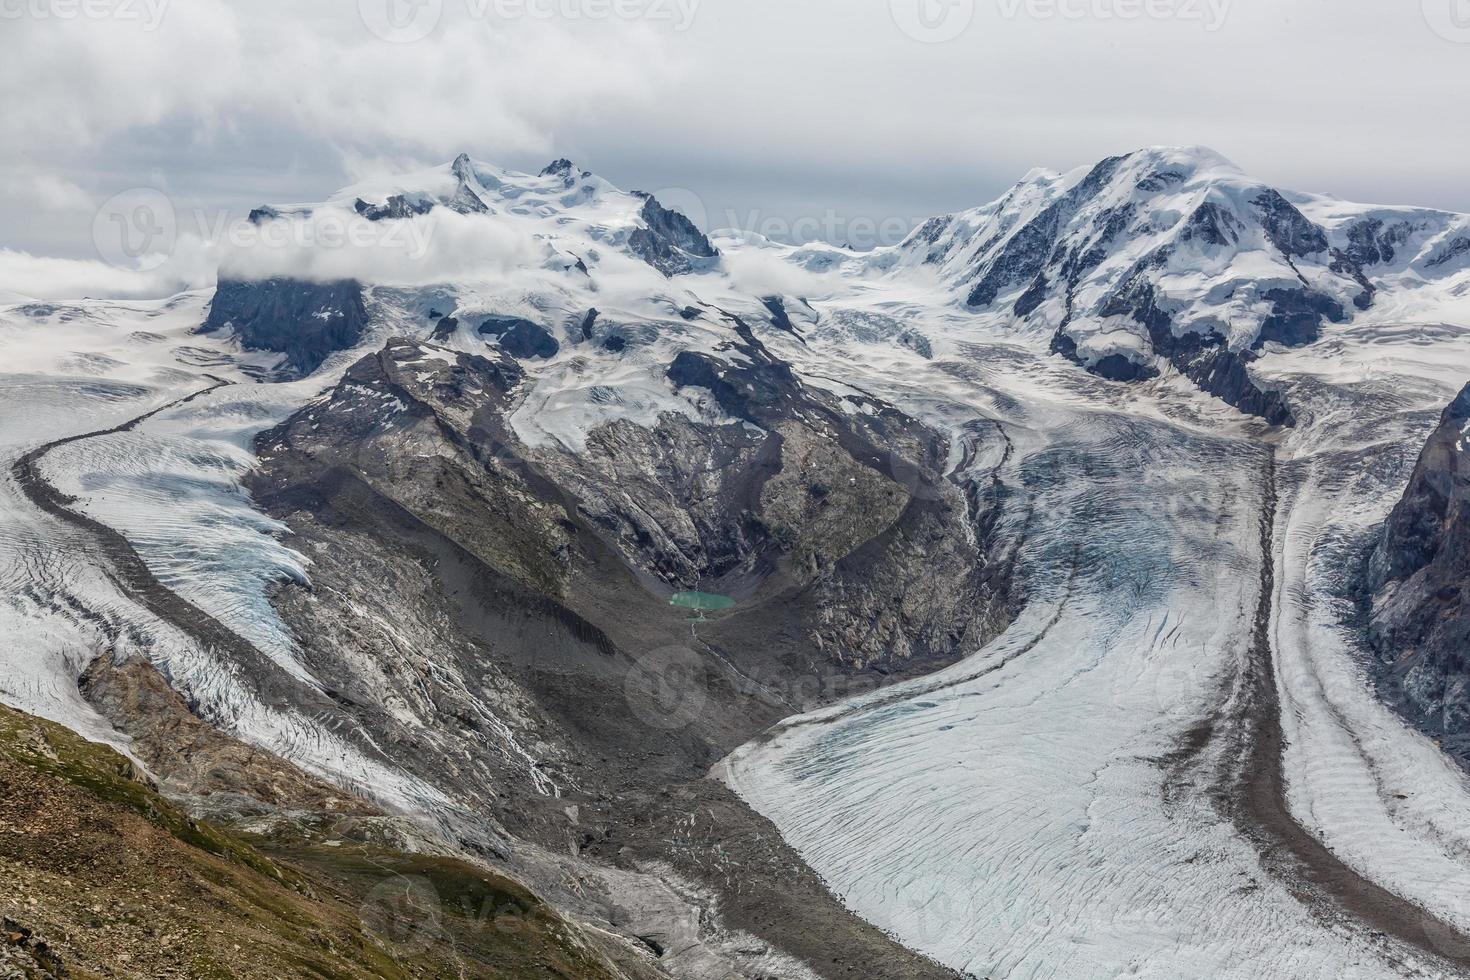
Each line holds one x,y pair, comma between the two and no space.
763,111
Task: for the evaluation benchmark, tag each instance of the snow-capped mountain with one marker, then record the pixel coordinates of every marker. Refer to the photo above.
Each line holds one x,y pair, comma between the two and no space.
1174,257
1163,260
517,505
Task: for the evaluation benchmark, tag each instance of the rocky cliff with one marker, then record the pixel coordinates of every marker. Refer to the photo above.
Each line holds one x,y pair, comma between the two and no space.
1420,574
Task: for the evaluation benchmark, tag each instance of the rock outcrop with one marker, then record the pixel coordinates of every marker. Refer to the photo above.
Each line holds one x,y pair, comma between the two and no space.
305,321
1420,576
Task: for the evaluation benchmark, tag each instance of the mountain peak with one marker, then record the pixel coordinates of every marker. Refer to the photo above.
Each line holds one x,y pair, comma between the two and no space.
1197,157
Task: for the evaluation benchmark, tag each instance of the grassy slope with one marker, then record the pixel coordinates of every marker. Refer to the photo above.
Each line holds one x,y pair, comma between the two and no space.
121,883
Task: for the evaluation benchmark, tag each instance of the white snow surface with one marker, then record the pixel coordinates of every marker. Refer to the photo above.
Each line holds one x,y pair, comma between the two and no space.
1008,816
172,487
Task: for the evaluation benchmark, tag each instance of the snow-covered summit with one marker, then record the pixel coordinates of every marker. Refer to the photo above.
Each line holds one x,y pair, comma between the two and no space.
575,203
1173,255
1164,259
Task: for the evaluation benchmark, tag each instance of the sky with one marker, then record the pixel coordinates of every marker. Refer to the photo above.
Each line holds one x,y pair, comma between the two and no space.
848,120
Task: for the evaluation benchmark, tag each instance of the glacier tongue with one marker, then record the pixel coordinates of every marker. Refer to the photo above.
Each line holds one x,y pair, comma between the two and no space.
1009,815
172,484
1024,813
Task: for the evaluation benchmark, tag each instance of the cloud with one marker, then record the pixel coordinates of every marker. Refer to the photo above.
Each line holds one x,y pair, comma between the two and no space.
219,64
767,273
761,107
27,276
333,243
59,194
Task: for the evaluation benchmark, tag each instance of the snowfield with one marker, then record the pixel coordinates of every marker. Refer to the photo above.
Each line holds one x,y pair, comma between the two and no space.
1060,803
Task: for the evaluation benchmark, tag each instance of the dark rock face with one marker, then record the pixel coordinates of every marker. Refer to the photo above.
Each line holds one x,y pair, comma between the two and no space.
1420,577
306,321
396,207
465,199
1041,267
1288,229
1116,367
1371,243
1212,225
1450,252
520,338
929,234
1030,249
671,243
445,328
1204,358
589,322
780,319
1296,317
759,391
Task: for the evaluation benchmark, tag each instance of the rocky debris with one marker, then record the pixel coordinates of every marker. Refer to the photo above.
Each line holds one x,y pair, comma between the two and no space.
486,605
105,878
26,953
1419,575
670,242
196,762
305,321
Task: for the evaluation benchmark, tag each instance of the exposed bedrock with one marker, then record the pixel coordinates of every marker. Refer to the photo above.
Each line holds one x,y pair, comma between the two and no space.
1420,577
670,242
497,616
305,321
